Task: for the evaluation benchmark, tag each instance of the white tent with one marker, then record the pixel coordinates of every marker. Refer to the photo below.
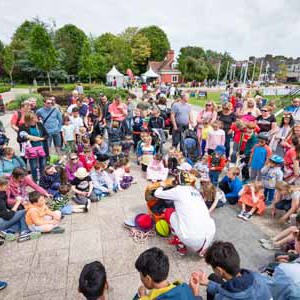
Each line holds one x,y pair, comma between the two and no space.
150,74
114,75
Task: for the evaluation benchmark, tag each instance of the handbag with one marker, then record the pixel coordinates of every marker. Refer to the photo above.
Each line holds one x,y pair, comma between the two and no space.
34,152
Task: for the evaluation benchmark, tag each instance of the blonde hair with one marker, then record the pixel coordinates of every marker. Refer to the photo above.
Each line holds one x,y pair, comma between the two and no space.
29,116
235,171
208,191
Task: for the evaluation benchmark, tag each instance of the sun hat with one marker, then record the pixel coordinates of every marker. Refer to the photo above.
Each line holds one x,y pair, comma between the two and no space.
143,222
276,159
81,173
186,178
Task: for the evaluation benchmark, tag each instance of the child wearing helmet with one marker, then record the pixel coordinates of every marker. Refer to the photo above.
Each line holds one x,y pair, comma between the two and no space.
260,152
271,174
216,163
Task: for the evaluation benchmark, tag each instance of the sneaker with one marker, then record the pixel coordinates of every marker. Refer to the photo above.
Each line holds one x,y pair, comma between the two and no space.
28,236
174,241
271,246
1,242
265,241
181,250
241,214
247,216
3,285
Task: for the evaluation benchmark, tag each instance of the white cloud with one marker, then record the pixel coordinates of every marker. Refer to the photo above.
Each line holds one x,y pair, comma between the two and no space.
243,28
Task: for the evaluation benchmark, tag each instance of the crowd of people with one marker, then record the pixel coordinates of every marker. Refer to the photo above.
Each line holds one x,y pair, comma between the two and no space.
236,153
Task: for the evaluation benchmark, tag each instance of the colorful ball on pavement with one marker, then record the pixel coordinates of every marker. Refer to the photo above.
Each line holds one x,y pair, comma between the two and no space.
162,228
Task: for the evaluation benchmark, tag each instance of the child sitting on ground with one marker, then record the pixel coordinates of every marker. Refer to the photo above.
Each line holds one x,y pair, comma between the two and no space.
213,196
122,179
147,151
231,185
83,142
229,281
102,181
156,170
202,168
87,158
50,180
251,196
287,198
271,174
39,218
100,148
93,281
170,160
153,266
82,186
216,163
116,154
127,144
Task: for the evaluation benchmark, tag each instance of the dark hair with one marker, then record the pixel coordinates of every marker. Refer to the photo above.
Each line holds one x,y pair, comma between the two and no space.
75,109
92,280
155,263
295,140
291,122
298,218
223,255
34,197
19,172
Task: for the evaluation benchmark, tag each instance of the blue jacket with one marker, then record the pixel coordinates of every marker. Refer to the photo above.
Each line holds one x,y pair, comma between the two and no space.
285,283
235,186
54,123
7,166
250,286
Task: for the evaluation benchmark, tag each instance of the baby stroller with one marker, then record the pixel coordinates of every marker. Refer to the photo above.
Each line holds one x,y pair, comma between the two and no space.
158,139
3,139
190,145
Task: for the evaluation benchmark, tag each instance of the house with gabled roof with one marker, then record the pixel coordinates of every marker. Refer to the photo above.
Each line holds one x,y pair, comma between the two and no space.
166,69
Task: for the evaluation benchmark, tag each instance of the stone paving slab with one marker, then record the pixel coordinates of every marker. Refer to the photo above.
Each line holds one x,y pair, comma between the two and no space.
49,268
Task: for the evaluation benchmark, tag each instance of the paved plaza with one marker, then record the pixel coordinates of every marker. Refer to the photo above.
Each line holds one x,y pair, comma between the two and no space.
49,268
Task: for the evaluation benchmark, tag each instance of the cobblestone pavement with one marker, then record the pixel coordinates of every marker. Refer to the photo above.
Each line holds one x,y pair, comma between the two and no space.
49,267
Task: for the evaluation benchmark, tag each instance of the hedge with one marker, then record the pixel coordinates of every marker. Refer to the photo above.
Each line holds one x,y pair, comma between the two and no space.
4,89
15,104
47,89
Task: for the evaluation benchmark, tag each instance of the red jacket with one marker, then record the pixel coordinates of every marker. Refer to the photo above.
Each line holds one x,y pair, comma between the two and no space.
87,161
220,167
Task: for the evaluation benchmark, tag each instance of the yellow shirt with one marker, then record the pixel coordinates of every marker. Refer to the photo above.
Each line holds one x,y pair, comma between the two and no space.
205,132
157,292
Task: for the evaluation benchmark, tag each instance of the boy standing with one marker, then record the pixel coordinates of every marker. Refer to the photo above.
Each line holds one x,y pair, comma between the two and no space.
216,163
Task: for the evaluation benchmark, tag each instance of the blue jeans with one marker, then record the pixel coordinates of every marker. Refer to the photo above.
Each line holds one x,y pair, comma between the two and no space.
227,144
214,177
269,195
56,137
15,224
36,163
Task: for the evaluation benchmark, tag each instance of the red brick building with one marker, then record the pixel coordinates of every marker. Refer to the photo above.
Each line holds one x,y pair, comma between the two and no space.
166,69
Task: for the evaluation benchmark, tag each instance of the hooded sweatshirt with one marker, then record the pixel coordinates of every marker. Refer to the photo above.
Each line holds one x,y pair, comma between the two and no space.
250,286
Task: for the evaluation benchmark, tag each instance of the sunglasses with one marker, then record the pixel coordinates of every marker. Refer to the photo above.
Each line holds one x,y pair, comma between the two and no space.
263,110
74,158
50,103
208,105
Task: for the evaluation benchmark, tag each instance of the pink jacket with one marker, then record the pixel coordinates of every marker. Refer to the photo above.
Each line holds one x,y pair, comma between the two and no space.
20,189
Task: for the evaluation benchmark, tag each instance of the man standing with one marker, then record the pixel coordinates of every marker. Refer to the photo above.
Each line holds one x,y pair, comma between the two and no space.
295,110
181,117
52,121
104,105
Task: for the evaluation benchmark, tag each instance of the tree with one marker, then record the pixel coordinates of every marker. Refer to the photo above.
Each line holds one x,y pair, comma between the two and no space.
158,40
128,34
141,51
42,51
9,62
281,74
88,61
113,50
70,39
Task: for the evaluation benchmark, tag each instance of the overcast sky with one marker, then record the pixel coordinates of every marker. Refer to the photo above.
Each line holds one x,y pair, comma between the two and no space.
241,27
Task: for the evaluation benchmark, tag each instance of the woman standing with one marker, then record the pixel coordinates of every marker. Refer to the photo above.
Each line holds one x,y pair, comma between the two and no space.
250,108
227,117
281,133
266,121
36,148
208,113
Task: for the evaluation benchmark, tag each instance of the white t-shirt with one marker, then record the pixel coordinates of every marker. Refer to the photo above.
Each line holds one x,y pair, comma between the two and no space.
191,221
77,123
70,108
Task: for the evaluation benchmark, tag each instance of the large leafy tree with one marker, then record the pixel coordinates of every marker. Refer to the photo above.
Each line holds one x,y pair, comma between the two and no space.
9,62
70,40
1,57
158,40
140,46
89,61
114,51
42,51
